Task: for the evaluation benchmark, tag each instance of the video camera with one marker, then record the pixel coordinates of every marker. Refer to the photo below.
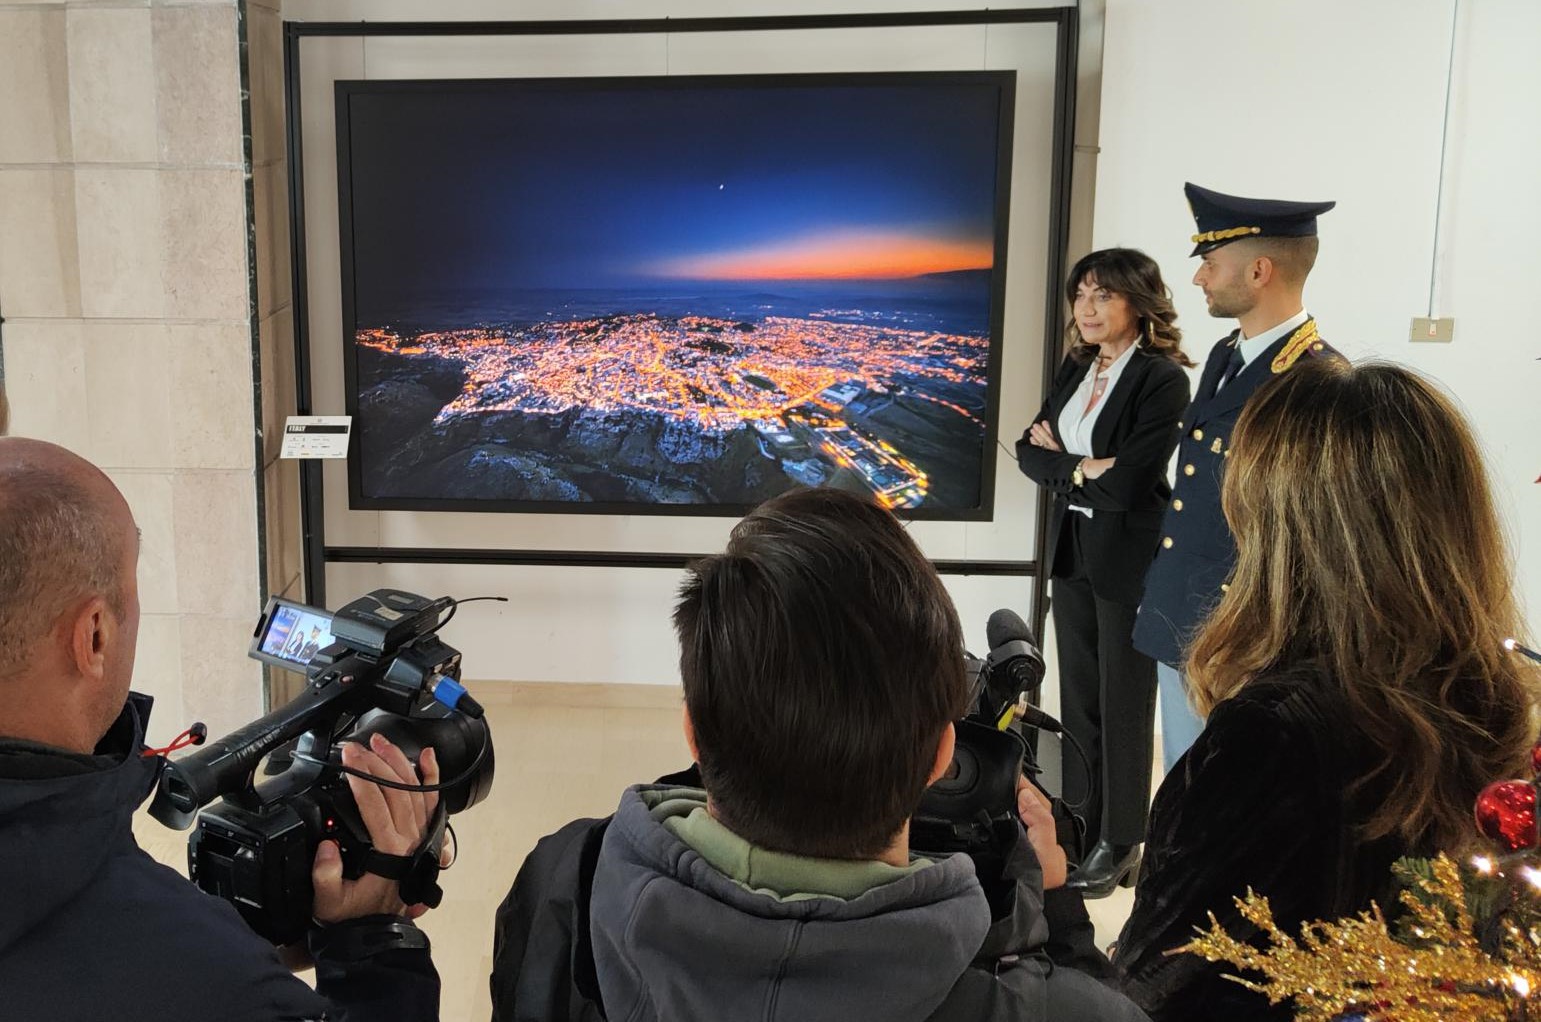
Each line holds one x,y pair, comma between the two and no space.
375,666
973,807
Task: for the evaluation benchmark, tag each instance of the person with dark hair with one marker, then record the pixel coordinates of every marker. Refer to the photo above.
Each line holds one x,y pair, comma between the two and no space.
1101,444
1255,255
822,662
94,928
1358,691
822,610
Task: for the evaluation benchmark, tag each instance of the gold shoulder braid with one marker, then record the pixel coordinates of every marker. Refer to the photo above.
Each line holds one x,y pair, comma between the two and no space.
1300,341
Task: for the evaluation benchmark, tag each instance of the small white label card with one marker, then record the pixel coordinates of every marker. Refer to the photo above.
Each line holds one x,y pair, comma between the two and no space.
316,436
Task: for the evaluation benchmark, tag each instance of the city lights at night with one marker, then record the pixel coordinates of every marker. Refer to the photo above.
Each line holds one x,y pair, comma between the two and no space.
790,381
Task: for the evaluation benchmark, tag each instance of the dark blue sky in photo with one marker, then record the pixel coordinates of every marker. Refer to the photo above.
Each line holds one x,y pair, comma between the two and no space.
523,186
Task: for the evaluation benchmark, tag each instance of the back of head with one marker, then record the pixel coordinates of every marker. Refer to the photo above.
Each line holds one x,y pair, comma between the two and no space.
61,542
1369,547
821,659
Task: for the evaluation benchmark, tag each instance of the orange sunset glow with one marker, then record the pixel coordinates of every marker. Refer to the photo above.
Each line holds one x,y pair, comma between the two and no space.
844,255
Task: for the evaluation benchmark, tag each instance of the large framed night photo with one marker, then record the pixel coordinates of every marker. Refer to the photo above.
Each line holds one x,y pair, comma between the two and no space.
674,295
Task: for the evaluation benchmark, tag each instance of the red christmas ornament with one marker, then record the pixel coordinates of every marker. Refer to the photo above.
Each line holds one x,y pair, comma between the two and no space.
1506,813
1535,760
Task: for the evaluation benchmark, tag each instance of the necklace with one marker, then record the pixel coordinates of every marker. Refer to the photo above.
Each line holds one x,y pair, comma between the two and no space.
1099,387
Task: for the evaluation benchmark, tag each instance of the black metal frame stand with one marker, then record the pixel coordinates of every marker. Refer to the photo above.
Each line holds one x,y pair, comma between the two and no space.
317,554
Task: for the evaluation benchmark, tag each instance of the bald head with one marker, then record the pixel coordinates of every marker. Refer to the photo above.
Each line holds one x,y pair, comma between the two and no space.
66,536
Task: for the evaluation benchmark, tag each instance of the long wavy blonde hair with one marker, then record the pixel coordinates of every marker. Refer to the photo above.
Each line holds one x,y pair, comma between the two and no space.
1369,548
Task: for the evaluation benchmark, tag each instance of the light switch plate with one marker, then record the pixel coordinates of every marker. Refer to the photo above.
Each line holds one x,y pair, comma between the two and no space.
1425,329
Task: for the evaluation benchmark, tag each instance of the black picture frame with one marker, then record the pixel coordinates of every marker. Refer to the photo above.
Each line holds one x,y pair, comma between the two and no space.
314,551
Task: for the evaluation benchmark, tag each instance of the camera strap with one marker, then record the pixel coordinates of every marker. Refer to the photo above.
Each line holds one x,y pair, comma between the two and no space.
353,940
417,874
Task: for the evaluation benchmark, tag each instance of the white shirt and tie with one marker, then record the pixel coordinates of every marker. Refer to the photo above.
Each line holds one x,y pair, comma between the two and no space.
1076,421
1252,347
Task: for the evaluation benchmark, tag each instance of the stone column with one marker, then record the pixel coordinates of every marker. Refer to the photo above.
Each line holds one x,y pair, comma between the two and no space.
132,171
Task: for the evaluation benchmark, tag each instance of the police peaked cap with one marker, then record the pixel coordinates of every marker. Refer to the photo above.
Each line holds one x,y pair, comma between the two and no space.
1222,218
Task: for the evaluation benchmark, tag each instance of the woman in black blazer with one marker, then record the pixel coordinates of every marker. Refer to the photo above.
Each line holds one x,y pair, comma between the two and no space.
1101,444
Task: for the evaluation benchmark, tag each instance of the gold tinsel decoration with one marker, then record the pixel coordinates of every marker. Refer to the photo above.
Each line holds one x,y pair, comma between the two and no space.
1440,966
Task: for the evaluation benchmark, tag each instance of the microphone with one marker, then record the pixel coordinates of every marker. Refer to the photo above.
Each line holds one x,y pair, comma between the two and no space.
1014,657
1013,651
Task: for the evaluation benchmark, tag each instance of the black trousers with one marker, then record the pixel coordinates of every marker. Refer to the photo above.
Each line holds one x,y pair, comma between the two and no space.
1107,700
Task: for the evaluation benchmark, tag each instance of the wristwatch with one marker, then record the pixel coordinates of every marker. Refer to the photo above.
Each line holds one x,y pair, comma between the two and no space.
1078,477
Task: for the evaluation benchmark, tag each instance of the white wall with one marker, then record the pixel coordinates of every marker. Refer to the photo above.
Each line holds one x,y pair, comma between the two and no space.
1315,99
1321,99
611,625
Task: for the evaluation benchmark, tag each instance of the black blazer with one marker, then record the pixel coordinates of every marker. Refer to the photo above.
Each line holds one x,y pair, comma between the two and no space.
1138,426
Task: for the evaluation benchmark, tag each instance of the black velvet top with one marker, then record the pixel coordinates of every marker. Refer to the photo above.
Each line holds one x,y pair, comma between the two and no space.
1261,800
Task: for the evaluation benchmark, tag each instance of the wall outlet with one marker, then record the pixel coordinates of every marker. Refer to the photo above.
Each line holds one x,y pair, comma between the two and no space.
1425,329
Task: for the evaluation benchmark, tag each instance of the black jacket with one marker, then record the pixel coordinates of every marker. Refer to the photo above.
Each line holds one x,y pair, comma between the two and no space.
1138,426
1184,581
585,887
94,929
1263,800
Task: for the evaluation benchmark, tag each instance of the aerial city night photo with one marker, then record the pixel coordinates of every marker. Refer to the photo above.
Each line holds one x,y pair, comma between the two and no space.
672,296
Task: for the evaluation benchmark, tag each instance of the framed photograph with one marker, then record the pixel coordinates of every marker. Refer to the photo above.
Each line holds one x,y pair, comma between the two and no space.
676,295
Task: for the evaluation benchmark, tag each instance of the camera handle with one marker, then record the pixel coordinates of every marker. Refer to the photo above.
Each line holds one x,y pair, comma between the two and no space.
227,766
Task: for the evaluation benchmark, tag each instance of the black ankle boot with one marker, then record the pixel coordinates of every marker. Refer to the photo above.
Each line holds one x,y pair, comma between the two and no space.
1108,866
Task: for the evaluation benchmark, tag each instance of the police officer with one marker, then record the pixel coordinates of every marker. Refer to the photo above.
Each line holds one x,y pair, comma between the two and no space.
1256,256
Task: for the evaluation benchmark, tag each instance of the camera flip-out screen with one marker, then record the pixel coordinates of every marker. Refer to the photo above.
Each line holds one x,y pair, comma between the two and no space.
290,633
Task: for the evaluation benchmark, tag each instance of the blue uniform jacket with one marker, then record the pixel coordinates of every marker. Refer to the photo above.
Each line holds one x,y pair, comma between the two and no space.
1197,552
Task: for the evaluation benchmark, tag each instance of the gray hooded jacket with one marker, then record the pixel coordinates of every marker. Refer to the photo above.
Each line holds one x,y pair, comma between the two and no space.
676,938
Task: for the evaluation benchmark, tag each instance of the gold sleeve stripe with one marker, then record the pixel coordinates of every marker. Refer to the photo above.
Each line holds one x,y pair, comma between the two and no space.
1226,235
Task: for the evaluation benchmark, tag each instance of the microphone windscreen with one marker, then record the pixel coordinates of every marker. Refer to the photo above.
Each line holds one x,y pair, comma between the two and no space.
1005,626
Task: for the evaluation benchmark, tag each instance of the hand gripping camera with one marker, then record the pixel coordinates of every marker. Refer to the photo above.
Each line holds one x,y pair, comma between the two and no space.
377,665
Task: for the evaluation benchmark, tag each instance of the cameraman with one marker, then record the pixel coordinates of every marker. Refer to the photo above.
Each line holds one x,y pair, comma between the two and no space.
92,927
822,663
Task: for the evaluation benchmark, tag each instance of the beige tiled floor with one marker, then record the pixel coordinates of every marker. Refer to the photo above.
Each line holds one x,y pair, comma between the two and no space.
563,751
